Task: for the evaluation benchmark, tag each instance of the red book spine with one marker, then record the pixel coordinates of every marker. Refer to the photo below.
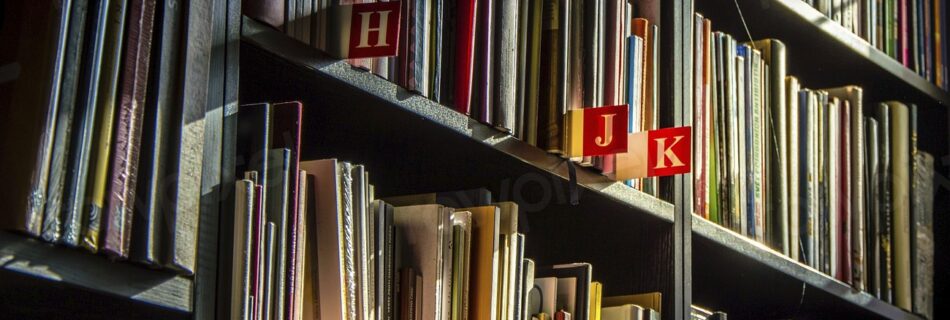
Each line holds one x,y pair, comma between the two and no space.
844,199
902,34
129,129
465,50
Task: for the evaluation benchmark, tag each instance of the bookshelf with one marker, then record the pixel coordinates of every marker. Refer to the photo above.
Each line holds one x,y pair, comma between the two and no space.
753,281
410,145
71,267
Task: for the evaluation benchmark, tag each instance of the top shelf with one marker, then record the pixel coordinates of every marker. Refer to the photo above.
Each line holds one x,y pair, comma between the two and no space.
821,52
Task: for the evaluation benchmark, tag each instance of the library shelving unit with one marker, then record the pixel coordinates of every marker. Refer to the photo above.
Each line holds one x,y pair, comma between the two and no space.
752,281
409,144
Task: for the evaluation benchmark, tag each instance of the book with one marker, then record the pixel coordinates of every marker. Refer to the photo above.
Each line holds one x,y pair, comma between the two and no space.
277,206
127,140
625,312
285,131
573,286
885,205
102,142
854,96
80,164
651,300
900,199
53,218
464,54
196,118
506,114
596,295
385,259
427,230
872,229
328,223
483,288
550,112
922,237
461,258
240,266
773,54
794,164
162,97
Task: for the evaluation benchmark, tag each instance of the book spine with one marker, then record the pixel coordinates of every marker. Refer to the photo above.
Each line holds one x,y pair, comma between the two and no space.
873,200
884,220
923,237
464,54
549,113
108,89
533,82
858,185
900,200
129,129
74,26
161,98
192,138
482,91
505,74
86,103
844,195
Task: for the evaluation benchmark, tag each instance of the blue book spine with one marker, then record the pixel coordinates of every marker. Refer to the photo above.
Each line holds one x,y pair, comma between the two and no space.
632,43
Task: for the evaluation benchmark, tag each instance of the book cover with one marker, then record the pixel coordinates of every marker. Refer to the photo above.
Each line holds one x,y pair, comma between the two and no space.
102,142
900,204
75,29
854,96
164,92
426,229
483,288
773,54
328,230
922,238
129,129
82,150
884,202
872,229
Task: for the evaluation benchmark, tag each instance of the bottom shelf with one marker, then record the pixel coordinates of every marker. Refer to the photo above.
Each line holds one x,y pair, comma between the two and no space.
63,274
751,281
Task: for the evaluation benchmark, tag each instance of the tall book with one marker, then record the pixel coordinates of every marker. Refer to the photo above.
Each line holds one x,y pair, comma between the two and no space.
464,54
68,86
550,114
794,165
128,129
506,115
922,237
162,99
34,39
900,200
854,96
773,54
106,105
483,288
328,222
885,204
872,228
82,150
533,69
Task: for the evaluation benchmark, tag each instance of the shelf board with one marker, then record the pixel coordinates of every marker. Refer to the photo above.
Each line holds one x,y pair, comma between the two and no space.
88,271
295,52
821,52
796,274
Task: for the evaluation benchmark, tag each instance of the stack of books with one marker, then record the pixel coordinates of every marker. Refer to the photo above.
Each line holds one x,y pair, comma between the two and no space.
516,65
104,146
808,173
910,31
312,240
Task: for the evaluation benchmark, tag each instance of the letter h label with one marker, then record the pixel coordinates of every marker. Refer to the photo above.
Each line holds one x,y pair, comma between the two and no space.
374,30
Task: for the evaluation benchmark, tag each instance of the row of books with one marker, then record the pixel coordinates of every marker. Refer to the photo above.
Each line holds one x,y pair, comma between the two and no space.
516,65
910,31
807,173
105,104
312,241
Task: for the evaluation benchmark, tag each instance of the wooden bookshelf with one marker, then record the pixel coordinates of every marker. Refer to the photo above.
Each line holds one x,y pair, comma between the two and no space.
78,268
